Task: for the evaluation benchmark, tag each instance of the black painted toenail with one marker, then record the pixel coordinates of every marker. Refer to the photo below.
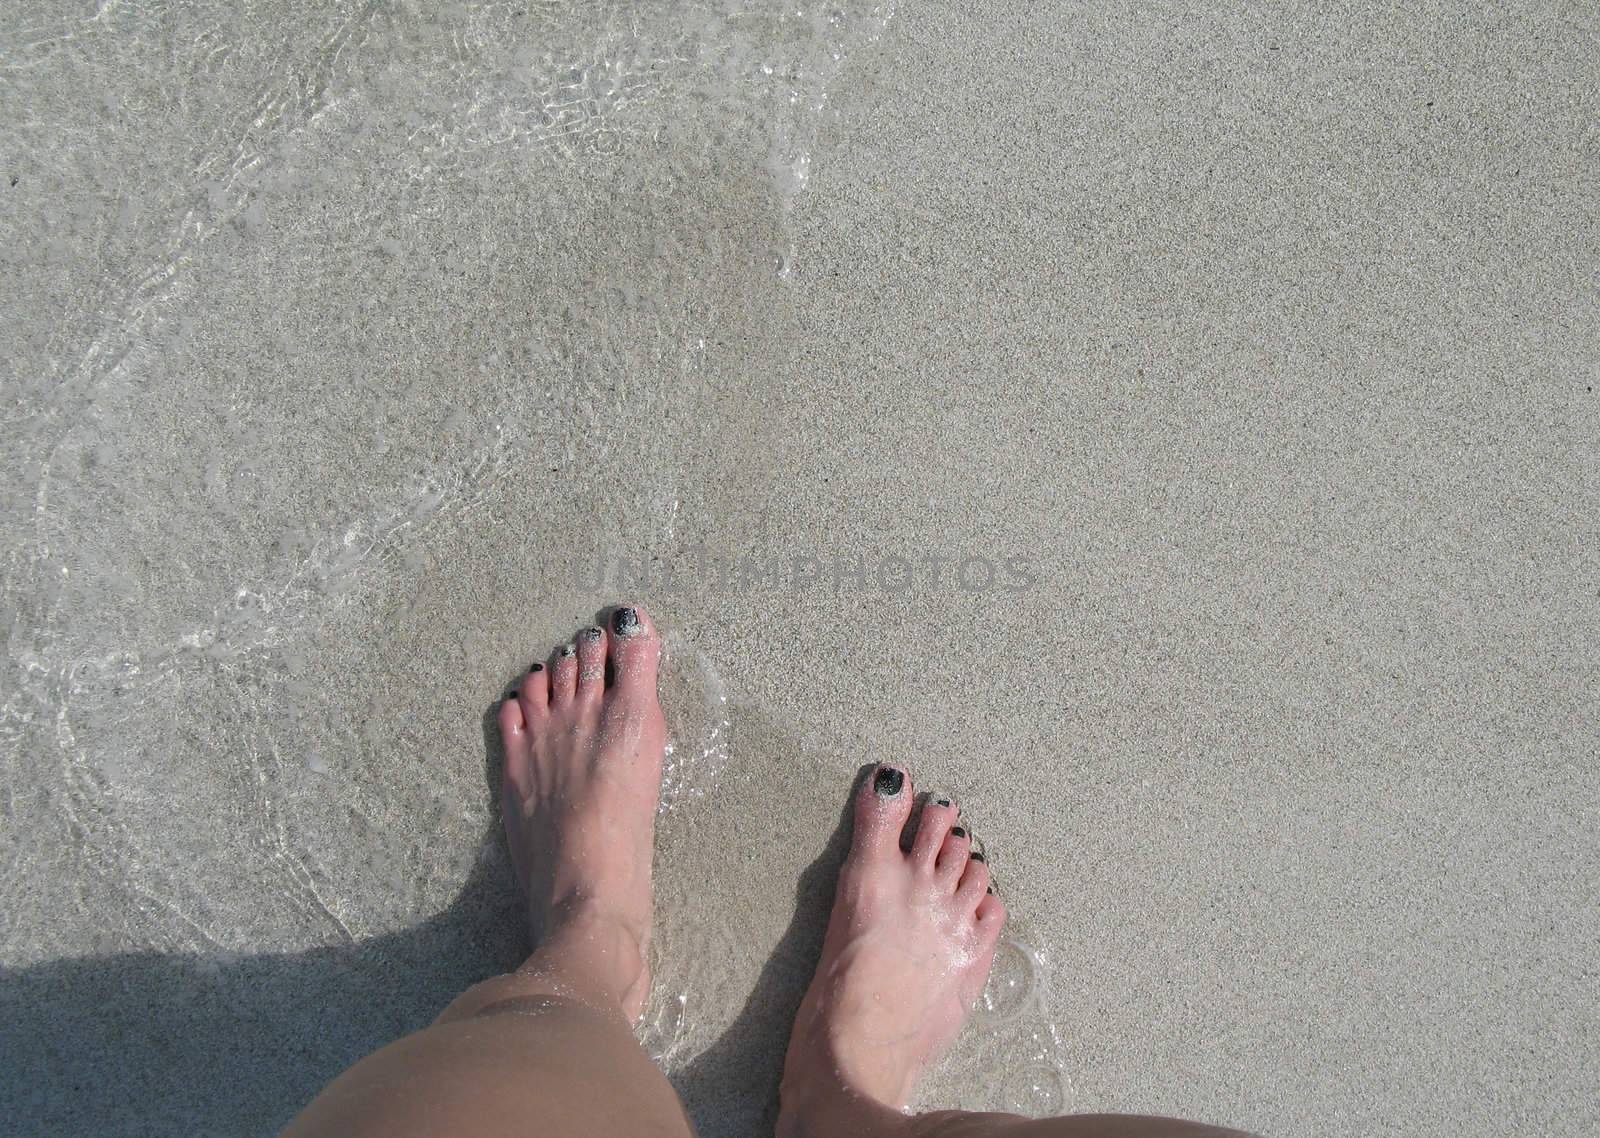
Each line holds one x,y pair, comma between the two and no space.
568,651
989,890
625,622
888,782
958,831
977,855
535,668
941,801
510,695
590,634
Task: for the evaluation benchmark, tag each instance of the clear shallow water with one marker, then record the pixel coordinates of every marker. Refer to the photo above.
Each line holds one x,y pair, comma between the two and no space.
275,358
328,314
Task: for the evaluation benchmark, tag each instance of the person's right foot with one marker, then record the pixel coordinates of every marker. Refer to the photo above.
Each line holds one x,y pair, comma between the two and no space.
584,740
908,949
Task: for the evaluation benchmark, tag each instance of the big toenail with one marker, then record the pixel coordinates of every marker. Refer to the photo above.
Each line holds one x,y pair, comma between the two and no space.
888,782
590,634
567,651
535,668
958,831
626,622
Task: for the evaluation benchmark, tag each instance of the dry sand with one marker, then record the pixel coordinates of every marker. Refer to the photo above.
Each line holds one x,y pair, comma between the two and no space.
1235,364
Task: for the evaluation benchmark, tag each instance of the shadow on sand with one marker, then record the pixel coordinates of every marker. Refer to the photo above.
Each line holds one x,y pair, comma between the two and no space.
153,1044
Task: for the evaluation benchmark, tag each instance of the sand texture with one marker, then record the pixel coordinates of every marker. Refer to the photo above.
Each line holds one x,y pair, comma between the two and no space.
1169,427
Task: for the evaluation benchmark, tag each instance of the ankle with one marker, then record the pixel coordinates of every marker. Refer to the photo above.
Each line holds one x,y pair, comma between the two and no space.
822,1106
591,954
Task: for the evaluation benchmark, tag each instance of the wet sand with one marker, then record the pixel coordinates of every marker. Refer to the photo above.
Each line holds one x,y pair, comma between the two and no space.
1170,429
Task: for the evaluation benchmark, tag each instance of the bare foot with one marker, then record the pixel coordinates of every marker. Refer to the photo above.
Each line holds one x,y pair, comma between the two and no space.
909,946
584,738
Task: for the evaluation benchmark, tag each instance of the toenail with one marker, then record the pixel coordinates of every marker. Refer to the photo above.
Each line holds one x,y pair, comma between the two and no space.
958,831
989,890
941,800
626,622
888,782
567,651
510,695
536,668
977,855
590,635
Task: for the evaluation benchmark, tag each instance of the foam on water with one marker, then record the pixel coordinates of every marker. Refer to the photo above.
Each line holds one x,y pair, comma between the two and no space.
1013,1043
696,705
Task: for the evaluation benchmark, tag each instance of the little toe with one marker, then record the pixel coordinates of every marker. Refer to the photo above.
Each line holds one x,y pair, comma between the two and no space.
563,671
591,649
883,803
991,918
635,651
518,768
510,718
938,817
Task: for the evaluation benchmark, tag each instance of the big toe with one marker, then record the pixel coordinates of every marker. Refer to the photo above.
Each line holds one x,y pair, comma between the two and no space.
635,652
883,803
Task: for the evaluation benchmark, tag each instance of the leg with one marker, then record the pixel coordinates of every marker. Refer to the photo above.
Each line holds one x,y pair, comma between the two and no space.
548,1049
907,952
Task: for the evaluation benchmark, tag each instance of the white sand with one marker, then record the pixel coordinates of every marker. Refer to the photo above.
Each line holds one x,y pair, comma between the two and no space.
1261,340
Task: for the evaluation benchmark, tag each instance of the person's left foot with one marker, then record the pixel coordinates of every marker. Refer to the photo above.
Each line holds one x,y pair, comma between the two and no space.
909,946
584,740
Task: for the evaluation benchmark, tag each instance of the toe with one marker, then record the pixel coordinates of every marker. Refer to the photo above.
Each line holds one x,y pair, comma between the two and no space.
535,692
938,816
514,737
952,856
563,671
591,647
974,884
883,803
513,726
635,651
991,918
